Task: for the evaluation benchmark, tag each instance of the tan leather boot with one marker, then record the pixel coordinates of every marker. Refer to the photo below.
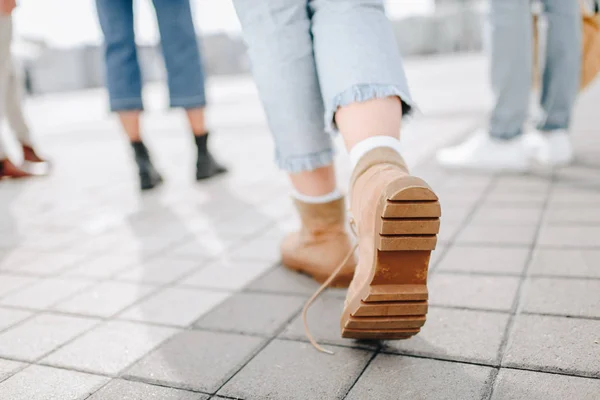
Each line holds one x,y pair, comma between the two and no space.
321,244
397,218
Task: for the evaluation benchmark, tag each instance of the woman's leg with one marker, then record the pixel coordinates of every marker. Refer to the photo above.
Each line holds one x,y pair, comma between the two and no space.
280,47
185,75
124,80
396,215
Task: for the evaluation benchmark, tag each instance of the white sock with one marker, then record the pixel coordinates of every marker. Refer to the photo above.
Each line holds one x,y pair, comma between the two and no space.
364,146
326,198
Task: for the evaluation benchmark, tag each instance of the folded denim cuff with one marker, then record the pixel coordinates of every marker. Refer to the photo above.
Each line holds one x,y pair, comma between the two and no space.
188,102
308,162
126,104
364,92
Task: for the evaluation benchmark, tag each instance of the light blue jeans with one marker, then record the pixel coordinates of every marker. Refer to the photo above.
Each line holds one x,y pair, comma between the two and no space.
512,64
185,75
310,57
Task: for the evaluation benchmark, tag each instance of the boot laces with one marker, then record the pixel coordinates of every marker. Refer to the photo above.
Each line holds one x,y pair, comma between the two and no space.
324,286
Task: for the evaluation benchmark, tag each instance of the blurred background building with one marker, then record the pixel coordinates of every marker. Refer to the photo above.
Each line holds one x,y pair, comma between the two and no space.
61,50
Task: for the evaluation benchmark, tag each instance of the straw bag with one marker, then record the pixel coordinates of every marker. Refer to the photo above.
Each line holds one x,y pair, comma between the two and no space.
590,65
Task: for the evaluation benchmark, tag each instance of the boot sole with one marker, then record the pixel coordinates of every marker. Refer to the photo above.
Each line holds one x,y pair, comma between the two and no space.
392,304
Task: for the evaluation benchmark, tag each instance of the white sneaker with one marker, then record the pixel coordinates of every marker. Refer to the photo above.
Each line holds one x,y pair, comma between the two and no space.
550,149
483,152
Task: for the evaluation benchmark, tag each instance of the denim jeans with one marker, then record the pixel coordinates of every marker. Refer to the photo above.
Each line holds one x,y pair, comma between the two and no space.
310,57
185,75
10,89
512,64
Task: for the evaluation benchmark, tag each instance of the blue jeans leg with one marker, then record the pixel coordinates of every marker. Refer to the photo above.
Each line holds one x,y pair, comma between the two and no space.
562,72
123,77
185,74
511,41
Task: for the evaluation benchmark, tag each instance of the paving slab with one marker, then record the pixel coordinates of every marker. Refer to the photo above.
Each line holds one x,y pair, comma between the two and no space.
506,215
102,266
110,347
196,360
570,263
252,313
160,271
461,335
571,236
282,280
473,291
391,377
485,259
104,299
227,275
516,235
514,384
559,296
119,389
171,306
555,344
12,283
10,317
45,293
9,367
44,383
315,375
40,335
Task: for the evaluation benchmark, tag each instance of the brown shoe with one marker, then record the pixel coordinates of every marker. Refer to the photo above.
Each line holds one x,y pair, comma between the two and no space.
321,244
397,216
10,170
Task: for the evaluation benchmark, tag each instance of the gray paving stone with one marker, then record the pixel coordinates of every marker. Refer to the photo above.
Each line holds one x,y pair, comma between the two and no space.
555,344
463,335
110,347
162,270
128,390
392,377
263,249
473,291
436,255
104,299
12,283
292,370
574,263
10,317
518,235
45,293
175,306
47,264
252,313
45,383
228,275
196,360
505,215
447,230
9,367
518,384
452,213
567,194
567,214
103,266
582,236
494,260
569,297
204,246
282,280
40,335
324,323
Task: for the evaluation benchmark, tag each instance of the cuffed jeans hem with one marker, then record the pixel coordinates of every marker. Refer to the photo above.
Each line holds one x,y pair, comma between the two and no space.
308,162
364,92
188,102
132,104
505,136
545,127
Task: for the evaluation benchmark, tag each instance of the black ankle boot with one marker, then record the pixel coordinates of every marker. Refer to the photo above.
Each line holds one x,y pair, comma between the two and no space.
206,166
149,177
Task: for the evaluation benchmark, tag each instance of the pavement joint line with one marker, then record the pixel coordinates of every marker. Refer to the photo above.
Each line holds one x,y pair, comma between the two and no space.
567,316
358,346
437,358
375,354
519,298
553,372
131,378
26,364
489,389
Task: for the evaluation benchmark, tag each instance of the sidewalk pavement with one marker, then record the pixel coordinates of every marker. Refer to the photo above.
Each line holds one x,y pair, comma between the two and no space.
109,295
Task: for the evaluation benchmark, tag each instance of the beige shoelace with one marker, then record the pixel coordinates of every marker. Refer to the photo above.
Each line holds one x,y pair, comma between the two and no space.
320,290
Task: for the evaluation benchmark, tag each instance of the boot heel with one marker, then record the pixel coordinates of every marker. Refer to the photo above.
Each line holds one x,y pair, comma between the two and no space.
393,303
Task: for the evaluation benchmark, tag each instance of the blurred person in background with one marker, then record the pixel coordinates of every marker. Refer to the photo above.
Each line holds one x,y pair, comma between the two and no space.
11,107
185,78
506,146
339,59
